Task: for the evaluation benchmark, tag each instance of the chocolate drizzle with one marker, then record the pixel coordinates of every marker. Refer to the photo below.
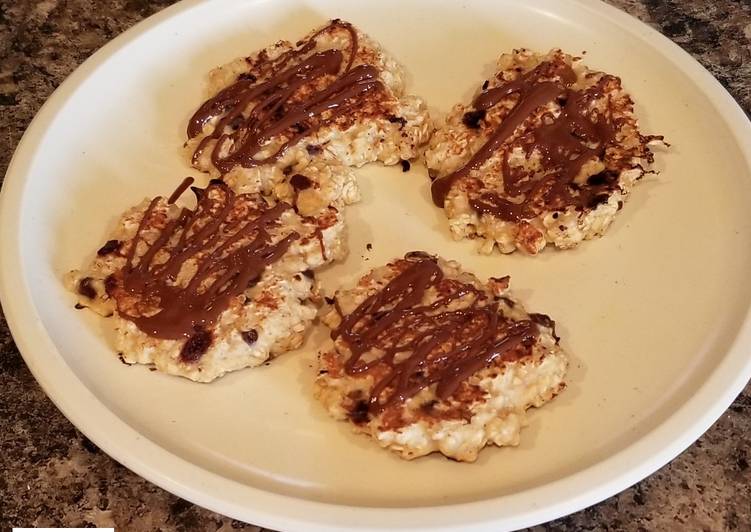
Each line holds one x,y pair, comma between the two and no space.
179,190
410,344
566,142
224,242
253,111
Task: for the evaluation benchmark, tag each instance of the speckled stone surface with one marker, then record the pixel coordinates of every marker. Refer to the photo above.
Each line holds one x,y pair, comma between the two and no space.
50,475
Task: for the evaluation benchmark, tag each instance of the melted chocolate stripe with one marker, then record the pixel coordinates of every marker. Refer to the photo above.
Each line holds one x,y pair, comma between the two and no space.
179,190
426,344
228,254
538,96
566,142
242,133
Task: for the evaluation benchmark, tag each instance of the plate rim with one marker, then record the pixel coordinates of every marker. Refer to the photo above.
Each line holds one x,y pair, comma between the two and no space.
177,475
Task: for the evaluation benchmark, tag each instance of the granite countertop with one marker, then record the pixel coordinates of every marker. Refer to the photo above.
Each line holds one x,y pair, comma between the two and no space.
50,475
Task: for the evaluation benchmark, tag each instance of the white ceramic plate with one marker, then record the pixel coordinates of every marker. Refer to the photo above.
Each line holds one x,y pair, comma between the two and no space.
655,314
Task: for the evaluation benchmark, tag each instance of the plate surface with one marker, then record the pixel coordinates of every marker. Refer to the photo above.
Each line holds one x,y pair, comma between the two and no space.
655,314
